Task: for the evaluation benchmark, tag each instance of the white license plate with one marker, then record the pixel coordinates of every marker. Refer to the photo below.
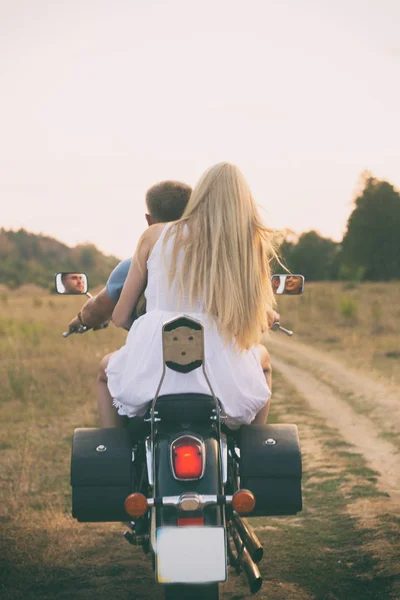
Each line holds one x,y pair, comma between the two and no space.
190,554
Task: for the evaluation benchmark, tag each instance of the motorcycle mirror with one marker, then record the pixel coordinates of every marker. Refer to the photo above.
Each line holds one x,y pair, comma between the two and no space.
71,283
287,284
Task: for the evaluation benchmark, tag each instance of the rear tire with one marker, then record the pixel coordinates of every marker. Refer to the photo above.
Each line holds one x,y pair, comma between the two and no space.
191,592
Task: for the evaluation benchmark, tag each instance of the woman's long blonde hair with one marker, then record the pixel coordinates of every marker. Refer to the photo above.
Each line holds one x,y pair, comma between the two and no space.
226,255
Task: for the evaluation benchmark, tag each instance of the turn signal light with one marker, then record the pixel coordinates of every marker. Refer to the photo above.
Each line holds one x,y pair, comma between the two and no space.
187,458
136,505
243,502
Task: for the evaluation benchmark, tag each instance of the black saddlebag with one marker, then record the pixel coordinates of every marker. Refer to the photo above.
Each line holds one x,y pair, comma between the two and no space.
101,474
270,466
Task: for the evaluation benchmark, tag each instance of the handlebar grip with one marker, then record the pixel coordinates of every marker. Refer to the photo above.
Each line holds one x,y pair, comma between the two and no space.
84,328
80,329
287,331
277,326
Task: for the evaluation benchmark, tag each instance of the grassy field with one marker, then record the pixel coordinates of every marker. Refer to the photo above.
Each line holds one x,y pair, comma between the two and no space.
359,322
48,388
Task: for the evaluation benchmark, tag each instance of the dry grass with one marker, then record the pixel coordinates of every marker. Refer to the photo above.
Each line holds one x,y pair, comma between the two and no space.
48,389
359,322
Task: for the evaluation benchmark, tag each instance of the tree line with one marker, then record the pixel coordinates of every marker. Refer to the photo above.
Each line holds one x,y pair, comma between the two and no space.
370,249
29,258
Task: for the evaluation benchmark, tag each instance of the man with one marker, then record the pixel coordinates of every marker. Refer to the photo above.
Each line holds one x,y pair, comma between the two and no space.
165,201
276,280
74,283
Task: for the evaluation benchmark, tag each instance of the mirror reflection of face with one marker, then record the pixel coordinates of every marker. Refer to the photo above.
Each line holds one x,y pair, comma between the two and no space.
293,284
74,283
275,283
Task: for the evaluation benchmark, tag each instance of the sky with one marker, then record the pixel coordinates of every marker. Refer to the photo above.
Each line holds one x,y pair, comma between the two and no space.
100,99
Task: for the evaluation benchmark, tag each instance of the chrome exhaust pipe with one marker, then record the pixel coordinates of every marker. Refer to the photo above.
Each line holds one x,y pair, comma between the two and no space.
250,539
250,568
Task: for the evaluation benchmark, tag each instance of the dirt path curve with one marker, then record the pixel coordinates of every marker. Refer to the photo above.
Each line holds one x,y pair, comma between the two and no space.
359,407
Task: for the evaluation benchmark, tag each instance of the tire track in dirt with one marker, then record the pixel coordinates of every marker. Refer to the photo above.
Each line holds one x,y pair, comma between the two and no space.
310,372
366,394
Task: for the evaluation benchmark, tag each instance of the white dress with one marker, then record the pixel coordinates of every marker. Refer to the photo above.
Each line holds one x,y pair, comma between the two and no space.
134,371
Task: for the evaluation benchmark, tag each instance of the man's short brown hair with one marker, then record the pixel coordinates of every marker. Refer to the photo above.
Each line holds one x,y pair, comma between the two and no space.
167,200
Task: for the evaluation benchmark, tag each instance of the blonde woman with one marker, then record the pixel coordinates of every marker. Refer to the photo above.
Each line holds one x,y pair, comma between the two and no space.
212,265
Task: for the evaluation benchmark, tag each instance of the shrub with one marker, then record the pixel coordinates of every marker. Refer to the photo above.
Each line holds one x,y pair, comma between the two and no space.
348,308
376,317
348,273
37,302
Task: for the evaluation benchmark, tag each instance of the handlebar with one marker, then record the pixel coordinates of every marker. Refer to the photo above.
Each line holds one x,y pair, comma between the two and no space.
277,327
80,329
84,328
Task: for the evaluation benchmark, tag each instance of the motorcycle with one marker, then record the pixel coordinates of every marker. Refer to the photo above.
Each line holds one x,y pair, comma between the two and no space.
183,482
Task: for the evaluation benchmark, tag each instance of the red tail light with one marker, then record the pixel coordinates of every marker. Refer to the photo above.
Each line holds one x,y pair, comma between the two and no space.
187,458
190,521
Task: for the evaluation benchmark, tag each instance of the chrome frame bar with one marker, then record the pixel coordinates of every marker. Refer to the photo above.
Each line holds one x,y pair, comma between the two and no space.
203,500
217,409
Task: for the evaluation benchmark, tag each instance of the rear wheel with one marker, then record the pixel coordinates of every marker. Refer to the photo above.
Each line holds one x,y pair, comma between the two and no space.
192,592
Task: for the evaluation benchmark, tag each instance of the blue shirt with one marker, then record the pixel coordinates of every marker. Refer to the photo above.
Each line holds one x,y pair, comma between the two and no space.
117,279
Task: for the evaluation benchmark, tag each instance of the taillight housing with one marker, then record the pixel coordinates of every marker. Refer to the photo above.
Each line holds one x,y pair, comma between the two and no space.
187,458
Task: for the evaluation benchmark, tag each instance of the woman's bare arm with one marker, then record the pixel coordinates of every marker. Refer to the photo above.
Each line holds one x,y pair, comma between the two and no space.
262,415
266,365
136,279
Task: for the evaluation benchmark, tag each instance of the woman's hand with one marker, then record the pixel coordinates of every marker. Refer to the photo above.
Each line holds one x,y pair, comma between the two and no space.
273,317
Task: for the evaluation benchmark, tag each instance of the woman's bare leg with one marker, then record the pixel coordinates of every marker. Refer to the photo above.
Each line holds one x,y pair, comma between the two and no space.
108,414
262,415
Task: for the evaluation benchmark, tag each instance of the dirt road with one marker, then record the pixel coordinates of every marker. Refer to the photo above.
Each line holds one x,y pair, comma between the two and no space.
364,410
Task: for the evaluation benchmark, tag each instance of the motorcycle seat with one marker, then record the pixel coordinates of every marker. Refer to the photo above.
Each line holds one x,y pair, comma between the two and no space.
185,407
180,408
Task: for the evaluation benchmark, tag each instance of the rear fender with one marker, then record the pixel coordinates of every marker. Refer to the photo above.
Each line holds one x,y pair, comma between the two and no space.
165,484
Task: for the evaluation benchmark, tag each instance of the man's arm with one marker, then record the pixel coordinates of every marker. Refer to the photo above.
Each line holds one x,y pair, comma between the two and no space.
98,309
95,311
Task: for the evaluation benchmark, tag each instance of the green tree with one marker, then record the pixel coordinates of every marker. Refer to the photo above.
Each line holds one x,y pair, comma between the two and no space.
88,256
314,256
371,244
285,251
29,258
